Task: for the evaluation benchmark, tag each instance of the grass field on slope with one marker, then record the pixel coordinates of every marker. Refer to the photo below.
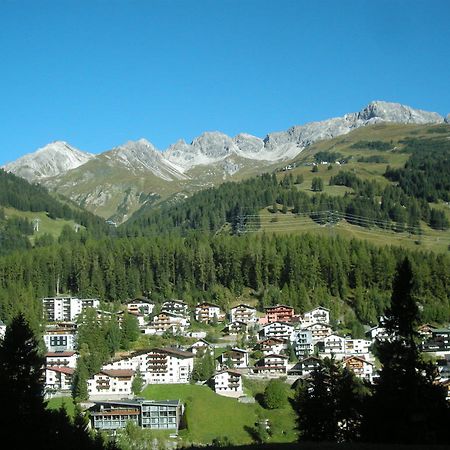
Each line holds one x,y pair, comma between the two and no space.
210,416
46,224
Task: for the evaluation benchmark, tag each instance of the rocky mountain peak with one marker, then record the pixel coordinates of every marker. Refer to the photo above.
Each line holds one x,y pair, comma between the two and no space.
396,112
53,159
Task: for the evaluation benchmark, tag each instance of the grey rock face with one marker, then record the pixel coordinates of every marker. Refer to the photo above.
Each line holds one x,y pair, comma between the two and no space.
142,156
396,112
52,160
212,147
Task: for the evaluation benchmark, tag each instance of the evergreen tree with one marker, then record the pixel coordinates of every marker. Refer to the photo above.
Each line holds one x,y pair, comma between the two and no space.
407,405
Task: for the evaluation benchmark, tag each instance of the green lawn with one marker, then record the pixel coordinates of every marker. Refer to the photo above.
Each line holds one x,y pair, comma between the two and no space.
67,402
210,416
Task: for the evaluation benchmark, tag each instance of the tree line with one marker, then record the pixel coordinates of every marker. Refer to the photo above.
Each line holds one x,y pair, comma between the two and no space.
350,277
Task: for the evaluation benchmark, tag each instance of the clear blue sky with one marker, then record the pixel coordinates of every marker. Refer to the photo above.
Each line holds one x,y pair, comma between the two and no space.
99,73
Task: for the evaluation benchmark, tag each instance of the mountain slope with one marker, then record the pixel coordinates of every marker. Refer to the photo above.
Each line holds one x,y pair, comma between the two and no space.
116,183
52,160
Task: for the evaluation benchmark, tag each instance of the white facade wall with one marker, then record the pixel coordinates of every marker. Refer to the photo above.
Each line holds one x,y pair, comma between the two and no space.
243,313
228,384
114,386
277,330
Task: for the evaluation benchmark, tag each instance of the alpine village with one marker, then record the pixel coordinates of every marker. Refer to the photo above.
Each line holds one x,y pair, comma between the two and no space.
261,293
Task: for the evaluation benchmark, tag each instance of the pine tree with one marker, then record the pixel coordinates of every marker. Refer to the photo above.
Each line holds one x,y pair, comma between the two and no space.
407,405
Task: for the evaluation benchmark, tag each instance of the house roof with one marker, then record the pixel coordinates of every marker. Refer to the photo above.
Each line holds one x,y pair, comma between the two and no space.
59,354
278,306
348,358
232,372
316,308
117,373
243,305
212,305
272,355
172,351
273,340
66,370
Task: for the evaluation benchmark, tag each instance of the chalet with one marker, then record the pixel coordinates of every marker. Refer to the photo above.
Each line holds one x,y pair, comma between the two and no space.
280,330
110,384
175,306
58,379
207,312
236,327
319,331
271,365
61,359
334,345
201,347
168,365
141,307
426,331
362,369
272,346
317,315
66,308
302,342
357,347
377,332
228,383
305,366
149,414
243,313
279,313
167,321
235,358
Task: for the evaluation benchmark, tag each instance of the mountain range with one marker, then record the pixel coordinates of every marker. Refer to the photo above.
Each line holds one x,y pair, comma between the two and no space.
117,182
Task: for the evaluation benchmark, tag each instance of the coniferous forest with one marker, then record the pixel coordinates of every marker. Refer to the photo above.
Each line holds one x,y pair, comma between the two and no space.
203,249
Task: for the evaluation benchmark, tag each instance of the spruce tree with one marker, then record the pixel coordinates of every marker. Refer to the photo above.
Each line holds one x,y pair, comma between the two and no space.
408,406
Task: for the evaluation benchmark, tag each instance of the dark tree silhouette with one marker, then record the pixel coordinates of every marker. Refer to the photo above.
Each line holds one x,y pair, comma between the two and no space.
26,423
408,406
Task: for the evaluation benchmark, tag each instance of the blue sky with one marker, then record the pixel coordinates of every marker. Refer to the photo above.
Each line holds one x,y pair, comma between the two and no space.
98,73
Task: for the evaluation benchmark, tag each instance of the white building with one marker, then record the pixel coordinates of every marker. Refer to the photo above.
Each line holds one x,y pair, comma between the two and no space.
243,313
176,307
341,347
66,308
201,347
281,330
272,346
61,359
141,307
319,331
110,384
207,312
60,337
334,345
317,315
168,365
58,379
228,383
302,342
167,321
237,358
271,365
362,369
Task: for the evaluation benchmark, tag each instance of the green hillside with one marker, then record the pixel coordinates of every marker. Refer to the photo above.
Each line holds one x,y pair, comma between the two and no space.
388,184
30,215
210,416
